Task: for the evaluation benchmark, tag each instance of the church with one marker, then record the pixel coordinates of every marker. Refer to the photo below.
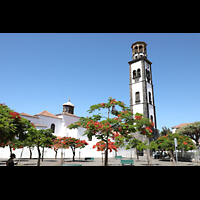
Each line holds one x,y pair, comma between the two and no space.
141,101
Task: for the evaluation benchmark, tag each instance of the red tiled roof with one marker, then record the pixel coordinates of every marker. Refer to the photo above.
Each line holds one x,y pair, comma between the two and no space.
48,114
180,125
65,113
25,114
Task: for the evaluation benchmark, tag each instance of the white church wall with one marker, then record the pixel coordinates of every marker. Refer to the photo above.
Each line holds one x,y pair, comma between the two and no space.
135,66
151,112
70,119
138,108
47,121
32,119
137,88
147,66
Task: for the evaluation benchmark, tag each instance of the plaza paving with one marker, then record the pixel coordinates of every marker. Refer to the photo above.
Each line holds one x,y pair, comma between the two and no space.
97,162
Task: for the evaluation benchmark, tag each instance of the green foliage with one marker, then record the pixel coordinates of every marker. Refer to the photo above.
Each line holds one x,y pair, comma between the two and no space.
165,131
7,124
166,142
42,138
191,130
121,122
135,143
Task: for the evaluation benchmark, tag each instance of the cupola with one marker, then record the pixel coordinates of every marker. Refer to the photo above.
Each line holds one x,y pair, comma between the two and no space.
138,50
68,107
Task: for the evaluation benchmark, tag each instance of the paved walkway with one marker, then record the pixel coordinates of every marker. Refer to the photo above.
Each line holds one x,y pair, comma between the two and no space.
97,162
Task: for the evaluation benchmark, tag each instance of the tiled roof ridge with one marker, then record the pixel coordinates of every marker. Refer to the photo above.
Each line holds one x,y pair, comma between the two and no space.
25,114
48,114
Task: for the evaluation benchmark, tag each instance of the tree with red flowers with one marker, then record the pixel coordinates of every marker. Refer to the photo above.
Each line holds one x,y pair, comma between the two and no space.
166,143
7,124
73,143
13,128
118,121
101,146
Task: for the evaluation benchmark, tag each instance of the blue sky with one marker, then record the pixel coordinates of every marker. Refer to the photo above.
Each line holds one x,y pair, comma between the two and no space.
39,71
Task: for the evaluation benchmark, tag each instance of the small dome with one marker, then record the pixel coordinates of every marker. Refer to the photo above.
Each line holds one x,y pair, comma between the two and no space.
68,104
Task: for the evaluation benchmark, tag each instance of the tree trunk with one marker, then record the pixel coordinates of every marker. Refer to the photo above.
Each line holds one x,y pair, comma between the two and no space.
56,154
106,152
171,156
161,154
137,152
197,153
73,151
10,150
42,153
39,154
30,153
74,155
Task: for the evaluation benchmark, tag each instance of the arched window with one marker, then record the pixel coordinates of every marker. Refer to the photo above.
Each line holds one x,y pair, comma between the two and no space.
151,118
150,98
137,97
140,49
138,72
134,74
136,49
53,127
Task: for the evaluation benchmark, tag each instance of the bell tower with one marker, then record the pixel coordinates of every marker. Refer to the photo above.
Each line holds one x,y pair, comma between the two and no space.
68,107
141,84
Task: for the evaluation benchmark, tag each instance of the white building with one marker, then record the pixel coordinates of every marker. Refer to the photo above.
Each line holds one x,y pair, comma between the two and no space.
58,123
174,128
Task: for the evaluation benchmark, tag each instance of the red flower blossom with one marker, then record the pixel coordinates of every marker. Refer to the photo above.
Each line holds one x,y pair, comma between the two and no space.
15,115
138,117
103,104
185,143
147,128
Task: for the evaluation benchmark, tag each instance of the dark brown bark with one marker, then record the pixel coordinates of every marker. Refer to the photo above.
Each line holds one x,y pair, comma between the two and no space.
30,153
73,151
10,150
137,154
56,154
106,152
39,154
42,153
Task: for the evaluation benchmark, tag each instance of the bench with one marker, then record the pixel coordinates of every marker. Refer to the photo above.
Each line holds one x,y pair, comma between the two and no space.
118,157
89,158
123,162
71,165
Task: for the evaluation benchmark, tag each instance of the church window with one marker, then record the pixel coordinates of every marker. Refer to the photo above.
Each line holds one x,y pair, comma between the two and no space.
134,74
136,49
140,49
137,97
151,118
53,127
150,98
138,72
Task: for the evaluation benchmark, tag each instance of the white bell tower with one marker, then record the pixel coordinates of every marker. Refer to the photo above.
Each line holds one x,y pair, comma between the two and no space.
141,85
